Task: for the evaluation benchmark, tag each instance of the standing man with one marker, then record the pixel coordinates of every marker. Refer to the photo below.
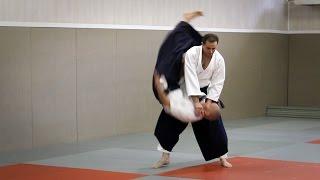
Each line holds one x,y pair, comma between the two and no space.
204,72
210,134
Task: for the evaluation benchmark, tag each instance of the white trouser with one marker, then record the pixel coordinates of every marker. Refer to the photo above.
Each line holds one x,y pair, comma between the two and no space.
160,148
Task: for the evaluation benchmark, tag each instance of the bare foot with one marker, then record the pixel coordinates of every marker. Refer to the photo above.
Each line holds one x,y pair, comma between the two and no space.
191,15
164,161
225,163
160,163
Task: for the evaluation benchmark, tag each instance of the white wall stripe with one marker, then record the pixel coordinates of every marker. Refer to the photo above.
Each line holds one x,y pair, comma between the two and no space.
304,32
143,27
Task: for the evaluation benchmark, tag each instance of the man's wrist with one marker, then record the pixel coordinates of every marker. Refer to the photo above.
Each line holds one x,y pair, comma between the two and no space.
198,106
211,101
195,99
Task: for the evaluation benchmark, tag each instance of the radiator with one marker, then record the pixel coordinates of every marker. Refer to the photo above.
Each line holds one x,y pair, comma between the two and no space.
292,111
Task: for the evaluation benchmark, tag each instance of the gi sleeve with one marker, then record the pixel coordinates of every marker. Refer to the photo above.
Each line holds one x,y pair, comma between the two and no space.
217,81
190,73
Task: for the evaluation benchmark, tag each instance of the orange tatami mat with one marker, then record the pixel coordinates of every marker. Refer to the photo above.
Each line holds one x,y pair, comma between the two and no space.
317,141
251,168
37,172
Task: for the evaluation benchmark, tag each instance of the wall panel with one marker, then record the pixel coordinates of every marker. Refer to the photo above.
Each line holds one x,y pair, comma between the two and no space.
53,85
15,89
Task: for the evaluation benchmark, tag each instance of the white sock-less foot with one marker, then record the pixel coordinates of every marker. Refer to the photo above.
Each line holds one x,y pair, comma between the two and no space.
164,161
225,163
191,15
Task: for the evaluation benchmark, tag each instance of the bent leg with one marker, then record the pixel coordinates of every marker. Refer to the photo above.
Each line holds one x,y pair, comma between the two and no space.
168,130
211,137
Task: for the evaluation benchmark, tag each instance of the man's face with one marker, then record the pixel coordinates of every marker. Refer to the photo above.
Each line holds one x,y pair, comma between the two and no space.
208,48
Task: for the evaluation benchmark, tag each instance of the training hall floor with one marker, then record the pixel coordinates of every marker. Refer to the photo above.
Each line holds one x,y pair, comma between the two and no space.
259,148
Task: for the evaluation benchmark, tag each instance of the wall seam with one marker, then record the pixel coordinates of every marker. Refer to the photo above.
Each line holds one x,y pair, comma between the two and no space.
288,69
288,16
131,27
76,84
288,52
31,98
115,75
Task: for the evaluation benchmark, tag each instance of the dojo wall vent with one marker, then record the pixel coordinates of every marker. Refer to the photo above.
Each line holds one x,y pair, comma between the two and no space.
296,112
305,2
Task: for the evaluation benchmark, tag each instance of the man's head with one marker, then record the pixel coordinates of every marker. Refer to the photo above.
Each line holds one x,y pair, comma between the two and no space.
209,44
211,111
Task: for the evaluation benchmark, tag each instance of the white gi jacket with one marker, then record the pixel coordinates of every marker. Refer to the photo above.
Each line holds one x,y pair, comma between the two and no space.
181,106
196,77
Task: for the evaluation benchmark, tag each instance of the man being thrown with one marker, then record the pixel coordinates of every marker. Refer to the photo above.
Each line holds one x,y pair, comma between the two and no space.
180,106
204,75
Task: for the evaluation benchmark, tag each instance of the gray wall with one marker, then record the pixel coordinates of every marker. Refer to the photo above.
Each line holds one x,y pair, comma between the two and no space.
238,14
70,85
304,57
304,18
16,122
256,66
53,85
304,73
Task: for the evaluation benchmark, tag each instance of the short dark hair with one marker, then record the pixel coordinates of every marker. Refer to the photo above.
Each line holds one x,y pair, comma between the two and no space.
210,38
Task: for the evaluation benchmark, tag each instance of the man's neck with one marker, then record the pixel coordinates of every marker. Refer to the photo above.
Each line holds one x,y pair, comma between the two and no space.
206,56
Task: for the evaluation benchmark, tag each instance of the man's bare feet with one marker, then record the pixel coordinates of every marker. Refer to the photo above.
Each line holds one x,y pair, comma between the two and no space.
225,163
191,15
164,161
